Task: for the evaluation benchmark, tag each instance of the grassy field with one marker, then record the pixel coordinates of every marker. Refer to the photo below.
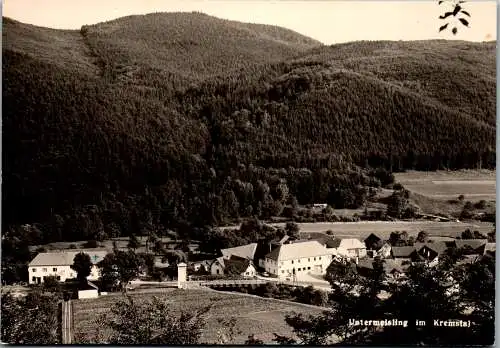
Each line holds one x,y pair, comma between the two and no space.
383,229
475,185
254,315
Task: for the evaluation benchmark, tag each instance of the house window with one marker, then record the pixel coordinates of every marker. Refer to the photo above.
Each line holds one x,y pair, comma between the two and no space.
319,257
314,259
292,262
309,259
283,271
34,278
217,271
308,267
54,269
58,278
298,269
34,269
298,260
44,269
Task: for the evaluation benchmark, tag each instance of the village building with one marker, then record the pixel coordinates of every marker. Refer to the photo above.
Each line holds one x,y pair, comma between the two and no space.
245,251
373,242
472,246
217,266
290,259
58,264
349,247
430,252
395,269
239,266
202,266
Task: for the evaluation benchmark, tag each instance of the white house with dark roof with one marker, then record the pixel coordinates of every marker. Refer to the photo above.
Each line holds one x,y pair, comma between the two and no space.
295,258
58,264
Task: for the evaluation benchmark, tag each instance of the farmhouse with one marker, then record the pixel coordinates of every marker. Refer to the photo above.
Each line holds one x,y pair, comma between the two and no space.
217,267
289,259
58,264
239,266
431,251
349,247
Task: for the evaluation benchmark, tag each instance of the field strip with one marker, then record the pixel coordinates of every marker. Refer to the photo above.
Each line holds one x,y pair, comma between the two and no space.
295,304
264,312
464,182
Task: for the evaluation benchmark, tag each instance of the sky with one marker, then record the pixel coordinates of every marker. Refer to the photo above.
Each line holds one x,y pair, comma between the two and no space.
327,21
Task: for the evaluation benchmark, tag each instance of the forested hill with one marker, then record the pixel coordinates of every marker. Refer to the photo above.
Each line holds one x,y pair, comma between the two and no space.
171,120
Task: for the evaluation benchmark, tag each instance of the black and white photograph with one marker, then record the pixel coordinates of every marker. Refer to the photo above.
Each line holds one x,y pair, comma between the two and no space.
238,172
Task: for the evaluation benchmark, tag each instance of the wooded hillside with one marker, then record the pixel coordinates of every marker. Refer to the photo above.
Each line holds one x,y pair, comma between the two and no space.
180,120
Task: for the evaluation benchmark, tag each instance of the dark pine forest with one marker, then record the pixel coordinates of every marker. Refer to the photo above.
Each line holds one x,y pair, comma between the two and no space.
184,121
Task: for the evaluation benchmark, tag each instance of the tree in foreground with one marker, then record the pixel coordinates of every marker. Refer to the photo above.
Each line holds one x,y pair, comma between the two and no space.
82,265
30,320
152,322
119,268
441,292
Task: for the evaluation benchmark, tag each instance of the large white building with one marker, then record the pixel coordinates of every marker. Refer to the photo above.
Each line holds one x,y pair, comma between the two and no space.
301,257
58,264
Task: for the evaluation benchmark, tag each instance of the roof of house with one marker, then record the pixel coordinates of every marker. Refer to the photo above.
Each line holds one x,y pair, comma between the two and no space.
438,247
298,250
219,260
284,239
473,243
402,251
66,257
352,243
372,238
321,237
238,264
246,251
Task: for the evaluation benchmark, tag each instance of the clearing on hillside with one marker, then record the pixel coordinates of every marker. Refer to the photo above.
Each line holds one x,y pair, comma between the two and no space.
383,229
475,185
254,315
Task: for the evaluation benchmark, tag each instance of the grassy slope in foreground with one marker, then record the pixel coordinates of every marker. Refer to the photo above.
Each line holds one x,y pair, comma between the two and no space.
254,315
